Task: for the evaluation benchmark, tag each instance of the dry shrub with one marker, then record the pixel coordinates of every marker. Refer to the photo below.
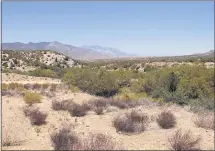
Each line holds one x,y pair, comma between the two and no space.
64,139
27,86
184,141
118,103
97,142
166,120
36,86
78,110
36,116
45,86
205,120
62,105
99,110
9,138
31,97
27,109
132,122
53,87
98,103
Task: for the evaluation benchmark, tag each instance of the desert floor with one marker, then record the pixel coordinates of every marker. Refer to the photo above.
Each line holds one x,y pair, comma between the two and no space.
16,125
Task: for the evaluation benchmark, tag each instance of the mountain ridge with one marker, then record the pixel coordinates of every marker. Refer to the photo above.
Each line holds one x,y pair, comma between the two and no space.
81,53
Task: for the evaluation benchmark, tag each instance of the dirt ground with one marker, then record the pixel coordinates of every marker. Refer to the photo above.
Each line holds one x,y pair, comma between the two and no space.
18,126
24,79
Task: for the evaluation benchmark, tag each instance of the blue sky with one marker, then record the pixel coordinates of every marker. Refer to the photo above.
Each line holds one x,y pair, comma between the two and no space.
144,28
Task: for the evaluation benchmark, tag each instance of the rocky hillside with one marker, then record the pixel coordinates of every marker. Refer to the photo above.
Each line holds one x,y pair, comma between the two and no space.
30,60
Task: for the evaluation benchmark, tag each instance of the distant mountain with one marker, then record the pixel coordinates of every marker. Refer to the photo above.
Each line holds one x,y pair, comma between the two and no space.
112,52
211,52
82,53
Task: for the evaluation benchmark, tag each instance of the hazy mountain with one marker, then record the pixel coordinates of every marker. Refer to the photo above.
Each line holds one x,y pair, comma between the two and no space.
83,53
209,53
106,50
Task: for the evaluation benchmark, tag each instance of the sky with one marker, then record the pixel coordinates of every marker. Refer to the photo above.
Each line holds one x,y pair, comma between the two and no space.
141,27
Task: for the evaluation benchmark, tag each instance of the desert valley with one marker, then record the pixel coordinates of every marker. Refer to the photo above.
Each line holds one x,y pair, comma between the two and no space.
50,101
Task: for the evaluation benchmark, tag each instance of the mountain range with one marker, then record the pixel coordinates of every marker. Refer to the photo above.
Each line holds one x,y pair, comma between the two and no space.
86,52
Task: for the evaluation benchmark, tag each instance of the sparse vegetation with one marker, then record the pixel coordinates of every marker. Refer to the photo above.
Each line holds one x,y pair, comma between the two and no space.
9,138
31,98
53,87
78,110
97,141
133,122
166,120
36,116
45,86
186,141
205,120
65,139
62,105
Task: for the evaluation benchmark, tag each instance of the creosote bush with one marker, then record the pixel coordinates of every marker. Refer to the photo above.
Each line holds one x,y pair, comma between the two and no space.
99,110
132,122
36,86
97,141
65,139
31,98
78,110
166,120
9,138
37,117
45,86
62,105
186,141
205,120
53,87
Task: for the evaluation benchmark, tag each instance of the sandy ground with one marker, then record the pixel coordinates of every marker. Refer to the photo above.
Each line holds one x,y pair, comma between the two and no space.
154,138
18,126
24,79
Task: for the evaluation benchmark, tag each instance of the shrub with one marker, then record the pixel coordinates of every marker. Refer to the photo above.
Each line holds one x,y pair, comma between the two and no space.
36,86
184,141
4,86
99,110
27,86
43,73
12,86
53,87
78,110
8,137
45,86
64,139
133,122
97,142
205,120
62,105
37,117
98,103
31,97
166,120
27,110
118,103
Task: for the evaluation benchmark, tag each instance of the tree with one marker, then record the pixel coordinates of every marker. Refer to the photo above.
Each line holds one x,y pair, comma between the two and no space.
172,82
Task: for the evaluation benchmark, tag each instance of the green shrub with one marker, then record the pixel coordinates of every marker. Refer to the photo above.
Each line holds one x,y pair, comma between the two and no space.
4,86
43,73
31,97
